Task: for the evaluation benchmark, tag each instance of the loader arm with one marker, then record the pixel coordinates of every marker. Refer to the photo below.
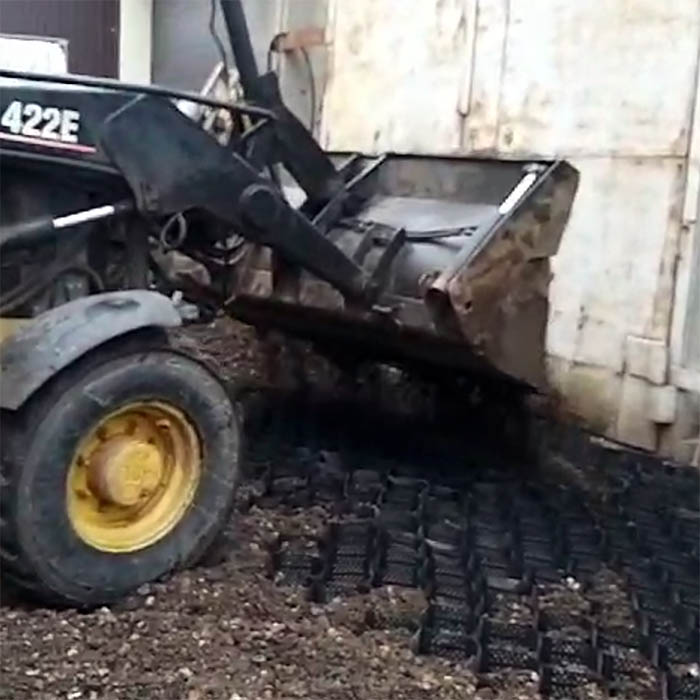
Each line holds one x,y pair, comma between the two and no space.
292,145
172,165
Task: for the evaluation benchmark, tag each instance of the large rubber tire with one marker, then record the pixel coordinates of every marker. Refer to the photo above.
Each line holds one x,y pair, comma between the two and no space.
40,550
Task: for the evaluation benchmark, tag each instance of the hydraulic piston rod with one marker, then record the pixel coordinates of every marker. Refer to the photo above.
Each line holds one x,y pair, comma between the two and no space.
42,229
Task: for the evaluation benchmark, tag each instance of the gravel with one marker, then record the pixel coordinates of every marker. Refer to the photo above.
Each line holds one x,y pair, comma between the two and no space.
226,632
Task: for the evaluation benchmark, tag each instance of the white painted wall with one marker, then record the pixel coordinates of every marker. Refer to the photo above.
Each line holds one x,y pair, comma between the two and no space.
610,85
135,32
37,54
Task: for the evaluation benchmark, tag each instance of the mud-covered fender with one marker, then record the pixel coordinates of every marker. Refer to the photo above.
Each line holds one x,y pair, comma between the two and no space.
53,340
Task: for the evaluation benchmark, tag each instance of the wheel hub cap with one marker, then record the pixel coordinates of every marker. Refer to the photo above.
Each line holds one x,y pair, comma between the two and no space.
133,477
124,471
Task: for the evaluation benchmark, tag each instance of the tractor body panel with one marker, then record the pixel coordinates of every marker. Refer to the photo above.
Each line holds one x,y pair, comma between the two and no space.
52,121
39,348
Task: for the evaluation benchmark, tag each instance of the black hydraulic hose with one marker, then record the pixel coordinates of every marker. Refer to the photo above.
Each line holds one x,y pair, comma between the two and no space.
241,45
108,83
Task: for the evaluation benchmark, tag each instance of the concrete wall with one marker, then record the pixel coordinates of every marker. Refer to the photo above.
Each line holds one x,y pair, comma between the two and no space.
612,86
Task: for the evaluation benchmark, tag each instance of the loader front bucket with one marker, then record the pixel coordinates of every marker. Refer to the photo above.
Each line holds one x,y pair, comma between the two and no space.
459,250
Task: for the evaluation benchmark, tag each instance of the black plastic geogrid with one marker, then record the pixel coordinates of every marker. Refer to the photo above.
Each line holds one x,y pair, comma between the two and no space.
483,542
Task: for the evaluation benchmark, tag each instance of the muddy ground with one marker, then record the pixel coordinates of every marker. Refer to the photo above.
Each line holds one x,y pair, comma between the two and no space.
227,631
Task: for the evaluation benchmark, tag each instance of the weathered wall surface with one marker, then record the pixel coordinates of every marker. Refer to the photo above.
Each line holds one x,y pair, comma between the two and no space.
612,86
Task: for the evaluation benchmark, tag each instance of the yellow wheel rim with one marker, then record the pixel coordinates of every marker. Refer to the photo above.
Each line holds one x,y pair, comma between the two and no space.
133,477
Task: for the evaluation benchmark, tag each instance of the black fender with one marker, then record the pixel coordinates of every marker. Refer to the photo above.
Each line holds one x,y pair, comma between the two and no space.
53,340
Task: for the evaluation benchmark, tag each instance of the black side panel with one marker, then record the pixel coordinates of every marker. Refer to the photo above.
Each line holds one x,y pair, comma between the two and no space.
91,27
